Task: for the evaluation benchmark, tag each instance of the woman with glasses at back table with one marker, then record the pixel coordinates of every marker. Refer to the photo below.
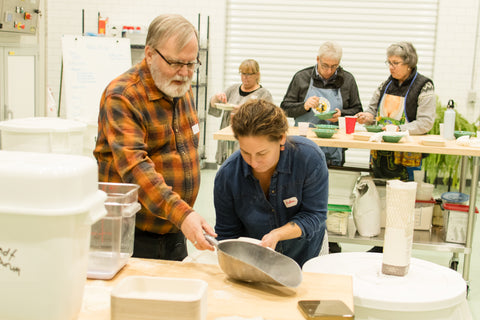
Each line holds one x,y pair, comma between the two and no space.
236,94
405,99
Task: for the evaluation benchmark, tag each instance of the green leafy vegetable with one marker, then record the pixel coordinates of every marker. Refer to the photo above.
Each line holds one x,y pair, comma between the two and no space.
446,166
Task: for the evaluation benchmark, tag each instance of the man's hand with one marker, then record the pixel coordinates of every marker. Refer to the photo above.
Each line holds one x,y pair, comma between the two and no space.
193,227
311,102
336,115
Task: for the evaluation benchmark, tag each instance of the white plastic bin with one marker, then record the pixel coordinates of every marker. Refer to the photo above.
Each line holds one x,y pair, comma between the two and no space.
423,214
48,203
111,242
337,218
43,134
90,139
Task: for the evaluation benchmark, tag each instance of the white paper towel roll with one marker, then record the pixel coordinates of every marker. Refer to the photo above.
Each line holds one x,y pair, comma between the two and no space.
400,221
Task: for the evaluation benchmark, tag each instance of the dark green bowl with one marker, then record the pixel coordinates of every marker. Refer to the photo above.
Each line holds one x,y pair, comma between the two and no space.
327,126
374,128
324,133
325,115
458,134
393,139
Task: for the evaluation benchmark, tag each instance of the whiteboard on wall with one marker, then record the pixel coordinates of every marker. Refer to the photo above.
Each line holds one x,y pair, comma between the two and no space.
89,64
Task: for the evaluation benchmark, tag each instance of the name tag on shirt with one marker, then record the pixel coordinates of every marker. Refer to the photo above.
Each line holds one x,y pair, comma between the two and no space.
290,202
195,128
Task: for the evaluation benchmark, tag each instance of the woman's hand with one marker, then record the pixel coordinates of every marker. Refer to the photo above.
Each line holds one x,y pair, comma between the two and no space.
221,97
270,240
364,118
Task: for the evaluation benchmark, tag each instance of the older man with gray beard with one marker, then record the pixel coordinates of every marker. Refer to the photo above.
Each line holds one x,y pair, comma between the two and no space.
148,134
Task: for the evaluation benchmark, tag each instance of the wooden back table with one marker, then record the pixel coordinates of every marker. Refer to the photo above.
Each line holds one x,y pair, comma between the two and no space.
341,140
226,297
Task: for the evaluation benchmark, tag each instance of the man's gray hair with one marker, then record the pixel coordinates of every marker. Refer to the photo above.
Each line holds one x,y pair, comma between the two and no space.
331,50
166,26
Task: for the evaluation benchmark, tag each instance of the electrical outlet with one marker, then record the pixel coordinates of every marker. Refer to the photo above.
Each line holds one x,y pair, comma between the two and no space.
472,96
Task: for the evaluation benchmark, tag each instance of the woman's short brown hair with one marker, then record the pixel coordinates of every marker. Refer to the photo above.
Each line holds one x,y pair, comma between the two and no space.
258,117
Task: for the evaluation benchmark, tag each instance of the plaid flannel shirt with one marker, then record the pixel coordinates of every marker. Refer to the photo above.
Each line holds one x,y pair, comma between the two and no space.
148,139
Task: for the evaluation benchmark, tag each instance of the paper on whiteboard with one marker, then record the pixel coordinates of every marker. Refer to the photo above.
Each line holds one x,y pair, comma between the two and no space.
89,64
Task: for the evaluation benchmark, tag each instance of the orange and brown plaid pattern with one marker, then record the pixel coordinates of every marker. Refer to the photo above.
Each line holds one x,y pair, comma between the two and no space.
146,138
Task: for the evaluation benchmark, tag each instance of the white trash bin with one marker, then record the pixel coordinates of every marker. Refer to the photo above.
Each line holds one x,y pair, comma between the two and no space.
43,134
48,203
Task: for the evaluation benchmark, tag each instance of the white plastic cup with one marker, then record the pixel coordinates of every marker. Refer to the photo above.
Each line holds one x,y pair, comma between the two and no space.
391,128
418,176
303,128
341,124
291,122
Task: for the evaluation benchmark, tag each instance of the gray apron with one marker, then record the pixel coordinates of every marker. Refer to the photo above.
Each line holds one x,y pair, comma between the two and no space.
334,96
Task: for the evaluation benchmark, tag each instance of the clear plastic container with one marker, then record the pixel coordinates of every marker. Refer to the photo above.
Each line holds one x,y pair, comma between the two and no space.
456,222
111,242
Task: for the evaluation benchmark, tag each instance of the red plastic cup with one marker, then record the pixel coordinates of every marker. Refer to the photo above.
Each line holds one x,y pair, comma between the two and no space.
350,124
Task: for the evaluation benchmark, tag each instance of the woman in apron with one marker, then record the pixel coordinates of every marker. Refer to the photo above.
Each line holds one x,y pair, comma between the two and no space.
405,99
237,94
327,85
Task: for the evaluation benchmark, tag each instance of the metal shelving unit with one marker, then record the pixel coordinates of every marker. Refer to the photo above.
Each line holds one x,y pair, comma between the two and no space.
200,85
432,240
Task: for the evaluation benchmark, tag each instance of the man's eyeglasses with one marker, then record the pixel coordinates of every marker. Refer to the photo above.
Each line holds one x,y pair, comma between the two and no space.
328,67
177,65
393,64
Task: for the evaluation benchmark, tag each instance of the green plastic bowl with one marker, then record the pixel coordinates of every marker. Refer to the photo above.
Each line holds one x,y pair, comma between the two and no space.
327,126
393,139
374,128
325,115
324,133
458,134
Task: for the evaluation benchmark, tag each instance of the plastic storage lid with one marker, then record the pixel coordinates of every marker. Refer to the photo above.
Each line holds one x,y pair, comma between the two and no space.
339,207
42,124
455,197
47,183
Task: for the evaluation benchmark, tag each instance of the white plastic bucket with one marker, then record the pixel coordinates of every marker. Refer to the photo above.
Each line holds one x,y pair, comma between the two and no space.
48,203
90,139
43,134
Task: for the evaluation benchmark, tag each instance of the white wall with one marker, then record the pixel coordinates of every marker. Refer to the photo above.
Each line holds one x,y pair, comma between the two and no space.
454,57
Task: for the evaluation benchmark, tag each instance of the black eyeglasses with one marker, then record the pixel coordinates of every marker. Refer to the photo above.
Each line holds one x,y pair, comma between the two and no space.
393,64
177,65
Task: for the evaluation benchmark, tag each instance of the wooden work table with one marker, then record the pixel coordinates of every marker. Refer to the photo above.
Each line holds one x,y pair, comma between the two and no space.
226,297
347,141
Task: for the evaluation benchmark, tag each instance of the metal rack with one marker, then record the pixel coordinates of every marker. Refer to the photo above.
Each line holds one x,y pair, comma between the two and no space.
200,86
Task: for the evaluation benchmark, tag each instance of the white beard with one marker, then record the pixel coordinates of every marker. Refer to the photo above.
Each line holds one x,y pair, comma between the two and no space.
165,84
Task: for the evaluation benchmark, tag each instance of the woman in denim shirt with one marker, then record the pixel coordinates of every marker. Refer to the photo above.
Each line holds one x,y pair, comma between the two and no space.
274,188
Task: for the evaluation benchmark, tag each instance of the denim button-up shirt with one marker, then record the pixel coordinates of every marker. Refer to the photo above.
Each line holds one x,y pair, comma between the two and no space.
298,193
